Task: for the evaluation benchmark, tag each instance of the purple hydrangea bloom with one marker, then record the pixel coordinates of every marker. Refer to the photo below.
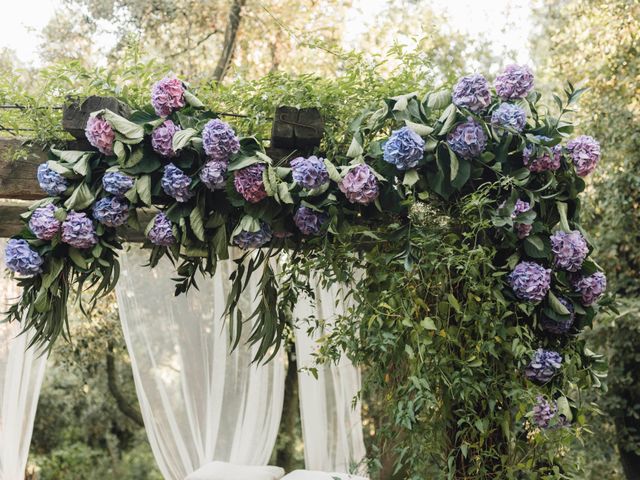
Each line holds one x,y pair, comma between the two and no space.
508,115
78,231
522,229
591,287
176,183
219,140
100,134
472,92
117,183
585,154
468,139
570,249
162,232
111,211
543,412
530,281
162,138
43,222
249,183
543,366
543,160
213,174
21,259
404,149
515,82
246,240
559,327
309,221
51,181
309,172
167,96
360,185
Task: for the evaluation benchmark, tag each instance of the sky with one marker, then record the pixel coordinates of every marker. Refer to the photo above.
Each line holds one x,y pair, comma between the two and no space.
506,23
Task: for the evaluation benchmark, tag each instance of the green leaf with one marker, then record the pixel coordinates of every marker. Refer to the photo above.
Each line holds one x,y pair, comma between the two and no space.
71,156
562,210
58,168
77,258
439,100
355,149
333,171
428,324
557,306
283,193
143,187
132,131
81,198
419,128
192,99
182,137
411,177
242,162
564,408
197,223
455,164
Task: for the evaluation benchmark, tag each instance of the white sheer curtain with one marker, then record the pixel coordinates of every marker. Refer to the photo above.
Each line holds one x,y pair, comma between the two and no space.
331,418
21,373
200,402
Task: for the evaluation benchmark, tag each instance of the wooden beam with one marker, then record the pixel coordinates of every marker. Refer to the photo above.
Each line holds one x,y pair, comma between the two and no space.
18,166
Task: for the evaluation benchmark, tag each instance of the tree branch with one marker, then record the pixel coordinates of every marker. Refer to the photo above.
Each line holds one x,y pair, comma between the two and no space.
123,404
230,36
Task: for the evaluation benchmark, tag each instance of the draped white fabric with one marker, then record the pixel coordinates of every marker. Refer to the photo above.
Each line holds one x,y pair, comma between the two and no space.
331,420
200,402
21,374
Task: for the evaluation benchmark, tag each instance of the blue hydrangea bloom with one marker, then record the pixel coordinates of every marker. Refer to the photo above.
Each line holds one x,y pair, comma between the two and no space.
404,149
117,183
176,183
508,115
51,181
246,240
543,365
309,221
43,222
530,281
162,231
213,174
78,230
472,92
570,249
111,211
543,412
309,172
468,139
219,140
20,259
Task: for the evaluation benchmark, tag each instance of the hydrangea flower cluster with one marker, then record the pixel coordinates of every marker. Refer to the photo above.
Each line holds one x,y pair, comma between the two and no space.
250,184
570,249
117,183
543,412
560,326
543,161
100,134
360,185
167,96
246,240
43,222
51,182
111,211
213,174
585,154
515,82
404,149
468,139
162,138
21,259
161,233
78,230
472,92
508,115
219,140
591,287
530,281
543,366
309,172
176,183
309,221
522,229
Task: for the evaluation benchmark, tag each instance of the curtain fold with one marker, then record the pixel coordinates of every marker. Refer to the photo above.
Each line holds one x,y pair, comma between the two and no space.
200,401
21,374
329,405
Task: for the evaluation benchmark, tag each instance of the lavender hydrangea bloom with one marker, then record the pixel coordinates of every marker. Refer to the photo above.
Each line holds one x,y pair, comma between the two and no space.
509,115
176,183
51,182
404,149
359,185
219,140
78,231
246,240
515,82
111,211
543,161
161,233
21,259
543,366
167,96
585,154
100,134
309,172
249,183
561,326
309,221
117,183
43,222
570,249
468,139
213,174
472,92
530,281
591,287
162,138
522,229
543,412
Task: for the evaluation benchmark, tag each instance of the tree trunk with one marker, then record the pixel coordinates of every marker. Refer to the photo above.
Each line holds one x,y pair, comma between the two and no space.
123,404
230,36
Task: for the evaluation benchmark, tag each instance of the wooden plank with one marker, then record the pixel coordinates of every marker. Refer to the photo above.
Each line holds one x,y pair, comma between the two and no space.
18,172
